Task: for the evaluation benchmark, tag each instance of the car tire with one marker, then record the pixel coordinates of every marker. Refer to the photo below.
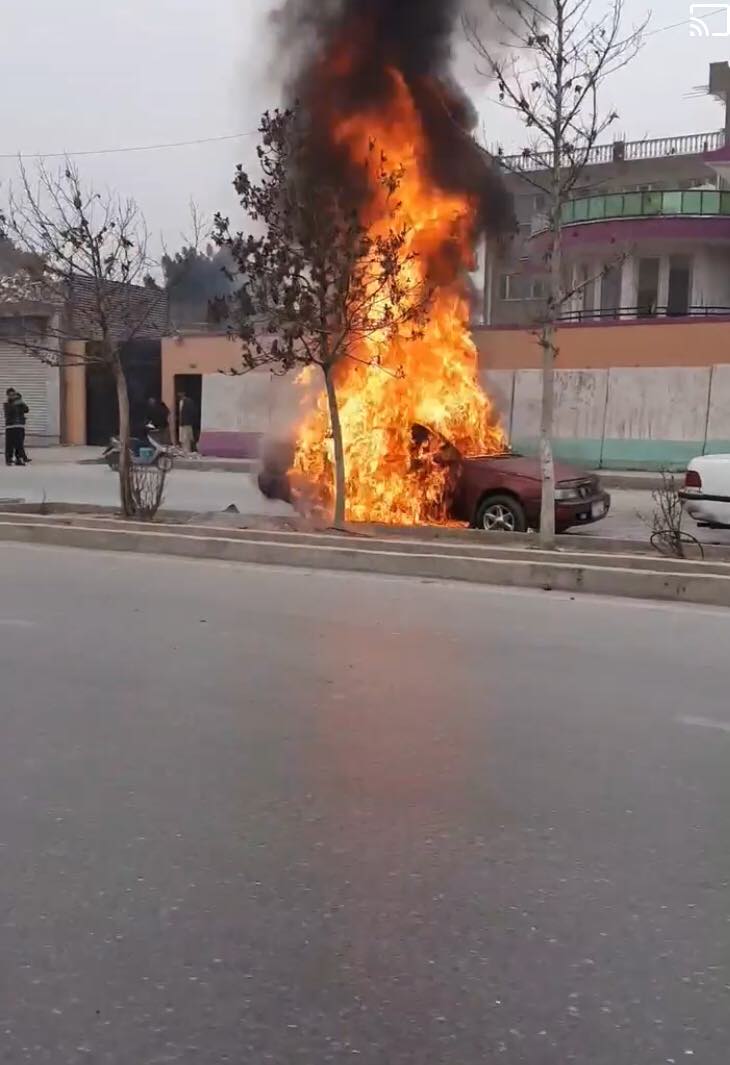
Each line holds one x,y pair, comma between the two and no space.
501,513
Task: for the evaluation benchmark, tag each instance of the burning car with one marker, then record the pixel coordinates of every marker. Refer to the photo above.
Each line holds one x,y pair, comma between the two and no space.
496,493
502,493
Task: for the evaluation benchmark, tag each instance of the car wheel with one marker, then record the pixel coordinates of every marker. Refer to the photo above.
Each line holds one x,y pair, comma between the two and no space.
501,514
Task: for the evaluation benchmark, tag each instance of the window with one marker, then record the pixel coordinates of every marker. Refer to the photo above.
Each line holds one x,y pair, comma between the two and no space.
611,290
710,202
507,286
648,287
580,210
651,203
672,203
539,202
691,203
515,287
680,285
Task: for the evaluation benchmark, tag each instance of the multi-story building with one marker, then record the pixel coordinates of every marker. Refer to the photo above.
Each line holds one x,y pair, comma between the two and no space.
647,227
643,366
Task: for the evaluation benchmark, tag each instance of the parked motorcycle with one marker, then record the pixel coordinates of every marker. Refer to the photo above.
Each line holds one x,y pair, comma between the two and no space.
149,452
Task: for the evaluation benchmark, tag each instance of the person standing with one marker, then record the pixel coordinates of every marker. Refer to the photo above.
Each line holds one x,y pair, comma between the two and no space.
15,410
158,420
186,423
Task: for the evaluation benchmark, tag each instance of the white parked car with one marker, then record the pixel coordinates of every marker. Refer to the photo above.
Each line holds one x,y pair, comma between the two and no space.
706,492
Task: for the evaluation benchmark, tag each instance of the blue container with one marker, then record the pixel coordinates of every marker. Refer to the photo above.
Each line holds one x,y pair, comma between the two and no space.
146,454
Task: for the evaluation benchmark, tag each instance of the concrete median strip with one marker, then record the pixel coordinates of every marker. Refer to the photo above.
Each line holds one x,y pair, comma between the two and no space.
631,576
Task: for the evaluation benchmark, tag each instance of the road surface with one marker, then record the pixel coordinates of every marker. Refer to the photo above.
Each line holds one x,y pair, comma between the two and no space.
266,816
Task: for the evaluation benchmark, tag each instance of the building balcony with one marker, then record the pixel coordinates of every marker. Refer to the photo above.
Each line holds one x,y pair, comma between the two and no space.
692,203
635,218
645,313
622,152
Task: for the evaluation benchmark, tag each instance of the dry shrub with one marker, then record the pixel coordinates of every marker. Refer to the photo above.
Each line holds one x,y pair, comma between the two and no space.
148,490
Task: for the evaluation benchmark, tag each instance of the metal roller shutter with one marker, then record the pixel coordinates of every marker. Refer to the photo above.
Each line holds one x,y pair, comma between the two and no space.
31,378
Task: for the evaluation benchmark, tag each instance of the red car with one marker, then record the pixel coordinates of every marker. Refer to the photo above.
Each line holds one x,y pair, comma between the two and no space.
499,493
504,493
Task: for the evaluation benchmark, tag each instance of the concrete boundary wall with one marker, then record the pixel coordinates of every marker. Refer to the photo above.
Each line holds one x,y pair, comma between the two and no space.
627,418
620,418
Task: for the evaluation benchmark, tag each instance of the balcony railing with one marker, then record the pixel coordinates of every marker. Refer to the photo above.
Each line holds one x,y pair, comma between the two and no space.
624,151
608,314
690,202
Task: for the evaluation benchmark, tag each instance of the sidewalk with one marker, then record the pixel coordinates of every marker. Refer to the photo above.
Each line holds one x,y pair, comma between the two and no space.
92,456
55,456
636,480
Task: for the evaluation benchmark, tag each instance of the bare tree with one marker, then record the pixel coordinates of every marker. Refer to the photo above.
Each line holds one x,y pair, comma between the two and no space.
666,522
90,252
549,70
319,287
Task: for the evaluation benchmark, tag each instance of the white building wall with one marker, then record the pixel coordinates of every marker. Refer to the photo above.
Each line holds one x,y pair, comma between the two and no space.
580,403
236,404
663,285
669,403
629,281
711,278
499,386
718,420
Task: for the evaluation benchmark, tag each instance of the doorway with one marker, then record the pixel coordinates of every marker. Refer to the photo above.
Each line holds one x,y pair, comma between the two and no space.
142,362
679,286
648,289
192,385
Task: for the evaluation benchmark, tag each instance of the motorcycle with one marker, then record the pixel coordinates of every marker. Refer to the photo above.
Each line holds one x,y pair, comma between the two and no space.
149,452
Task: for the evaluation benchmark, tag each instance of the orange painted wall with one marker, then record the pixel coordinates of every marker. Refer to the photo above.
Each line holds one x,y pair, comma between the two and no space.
594,347
196,354
73,397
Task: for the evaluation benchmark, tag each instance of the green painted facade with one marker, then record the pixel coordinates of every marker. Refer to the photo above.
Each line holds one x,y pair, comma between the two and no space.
627,454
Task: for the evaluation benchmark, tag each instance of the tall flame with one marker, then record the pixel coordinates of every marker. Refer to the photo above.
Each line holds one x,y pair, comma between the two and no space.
431,381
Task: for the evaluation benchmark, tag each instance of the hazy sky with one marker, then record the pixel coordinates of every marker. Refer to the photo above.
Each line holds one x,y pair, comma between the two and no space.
85,75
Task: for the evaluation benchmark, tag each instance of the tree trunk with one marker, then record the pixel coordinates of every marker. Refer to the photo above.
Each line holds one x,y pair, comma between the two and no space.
125,479
547,464
548,333
336,425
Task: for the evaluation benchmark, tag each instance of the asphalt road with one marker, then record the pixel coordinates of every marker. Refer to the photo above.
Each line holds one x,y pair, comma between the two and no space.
266,816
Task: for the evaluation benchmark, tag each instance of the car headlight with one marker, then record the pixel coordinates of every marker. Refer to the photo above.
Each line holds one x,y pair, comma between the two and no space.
566,495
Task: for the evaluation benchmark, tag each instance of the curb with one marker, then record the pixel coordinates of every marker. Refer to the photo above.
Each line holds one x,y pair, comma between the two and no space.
475,547
690,584
640,482
212,522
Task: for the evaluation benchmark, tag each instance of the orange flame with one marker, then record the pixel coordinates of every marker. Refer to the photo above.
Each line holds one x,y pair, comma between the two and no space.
430,381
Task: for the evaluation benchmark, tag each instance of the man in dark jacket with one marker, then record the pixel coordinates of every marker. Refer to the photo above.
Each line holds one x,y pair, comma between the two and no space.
15,411
158,420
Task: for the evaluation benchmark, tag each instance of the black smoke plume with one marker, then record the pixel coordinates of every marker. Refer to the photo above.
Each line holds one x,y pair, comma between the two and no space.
414,37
